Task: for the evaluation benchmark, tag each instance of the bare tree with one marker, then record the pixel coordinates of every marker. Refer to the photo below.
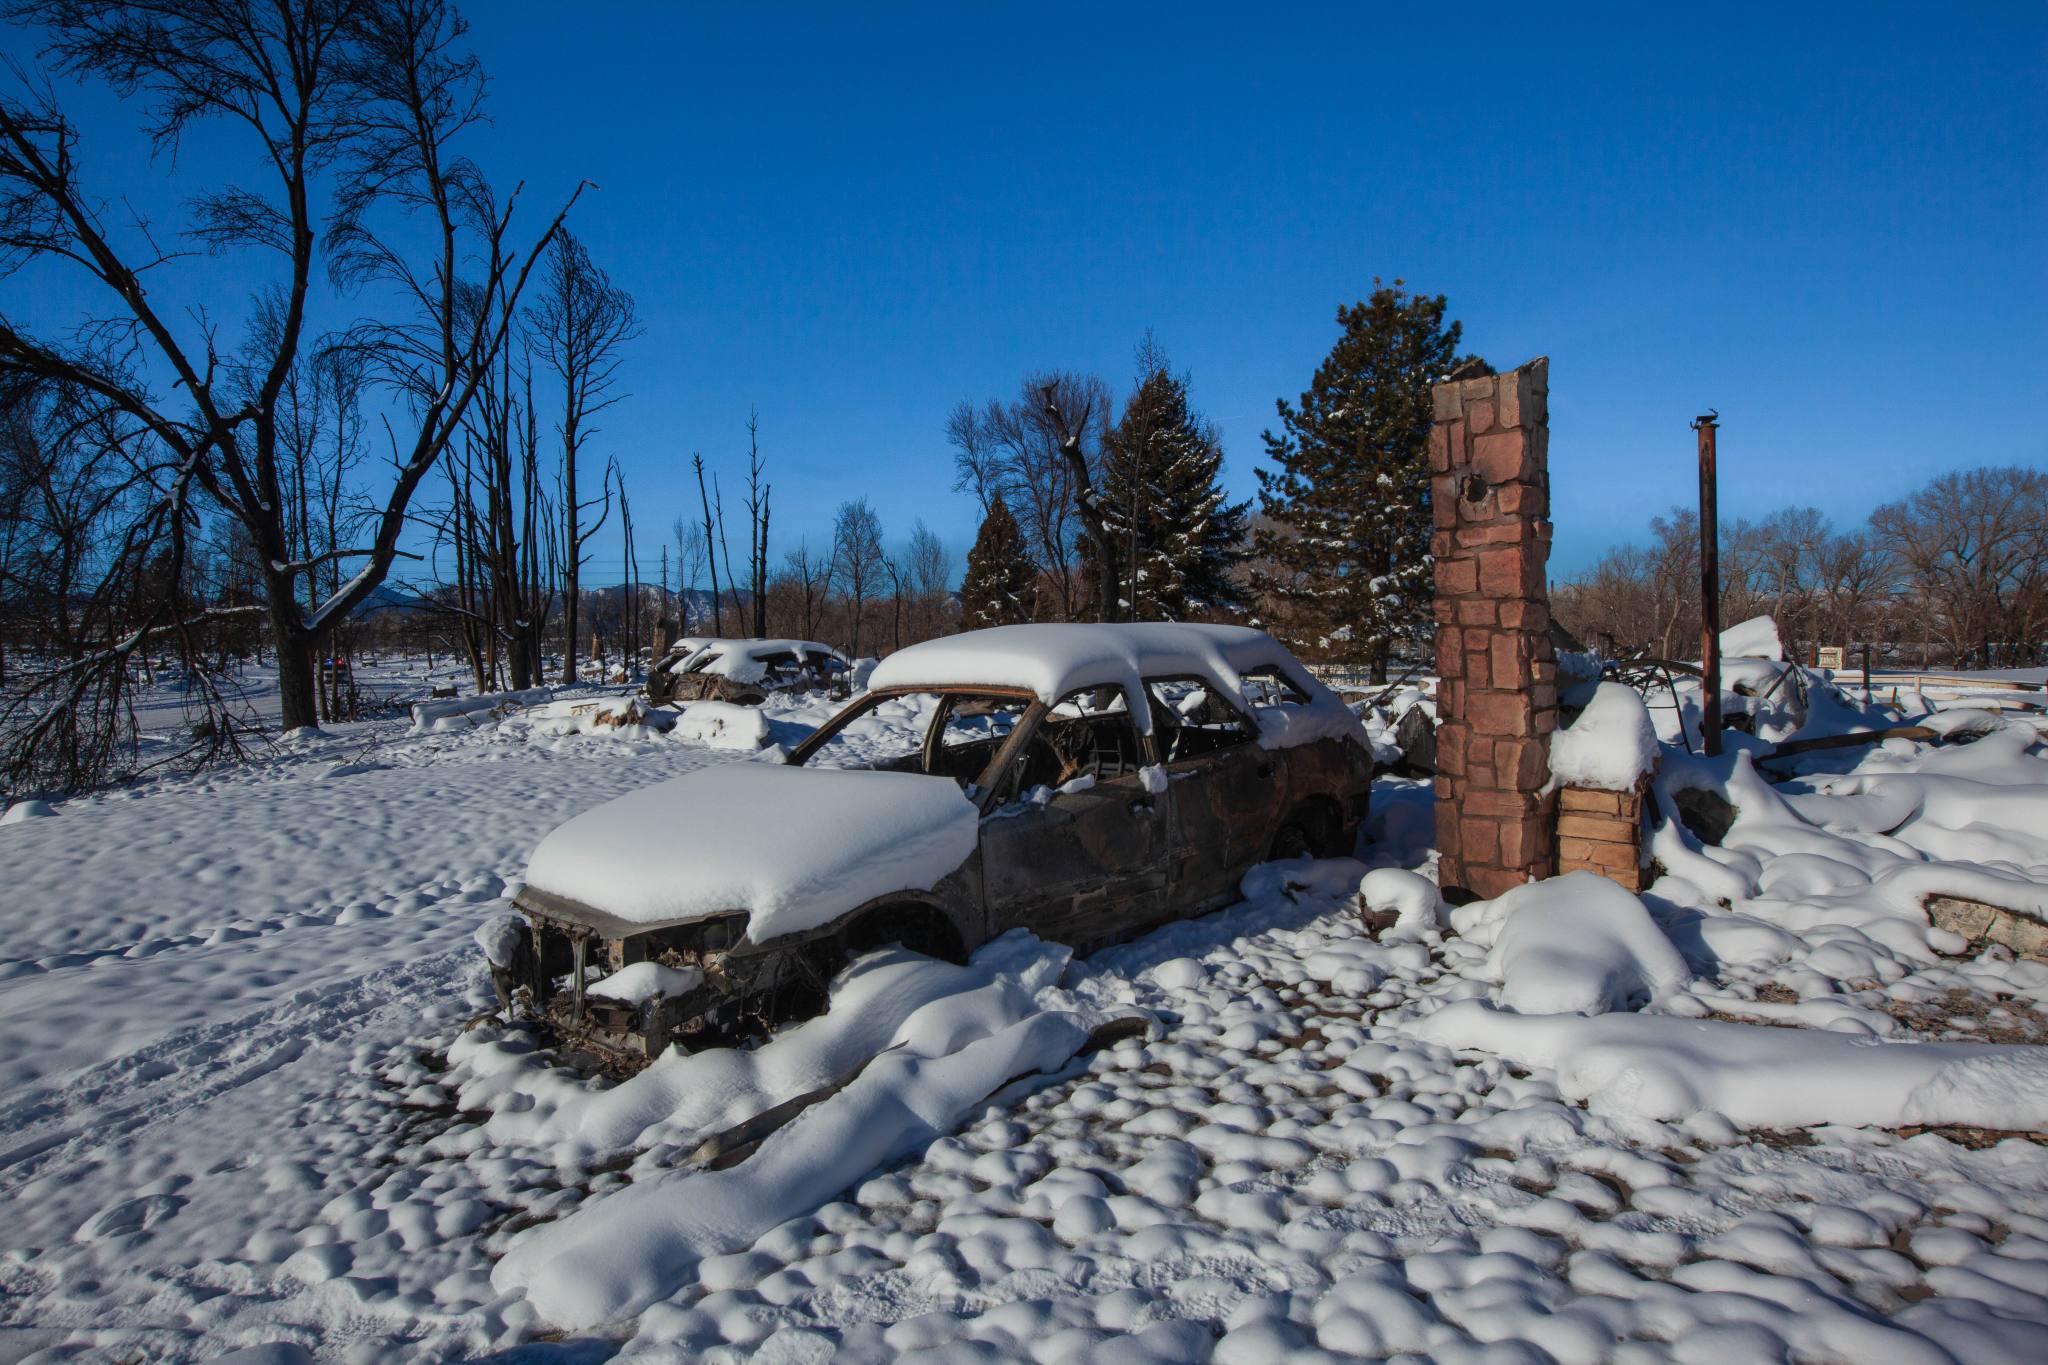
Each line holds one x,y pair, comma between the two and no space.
1975,546
1030,451
858,564
711,545
690,557
580,325
809,578
357,107
757,524
930,570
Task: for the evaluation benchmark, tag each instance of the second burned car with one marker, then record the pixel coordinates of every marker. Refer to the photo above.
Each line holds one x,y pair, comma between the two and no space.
708,668
1086,782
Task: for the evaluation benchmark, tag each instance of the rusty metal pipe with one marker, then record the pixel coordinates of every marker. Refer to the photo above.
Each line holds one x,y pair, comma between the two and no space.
1710,589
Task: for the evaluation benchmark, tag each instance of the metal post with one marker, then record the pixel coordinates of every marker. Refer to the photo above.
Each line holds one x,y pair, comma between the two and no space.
1710,590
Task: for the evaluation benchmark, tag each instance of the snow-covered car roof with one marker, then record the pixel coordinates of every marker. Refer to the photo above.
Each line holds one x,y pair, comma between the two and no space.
1054,661
733,654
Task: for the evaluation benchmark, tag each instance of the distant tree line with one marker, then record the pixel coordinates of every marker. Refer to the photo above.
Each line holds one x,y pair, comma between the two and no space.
1955,575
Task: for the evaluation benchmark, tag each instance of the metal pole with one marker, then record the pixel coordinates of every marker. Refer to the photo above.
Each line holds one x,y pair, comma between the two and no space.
1710,590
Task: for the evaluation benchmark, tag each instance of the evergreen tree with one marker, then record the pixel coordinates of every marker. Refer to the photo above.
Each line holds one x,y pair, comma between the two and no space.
1343,561
997,590
1177,536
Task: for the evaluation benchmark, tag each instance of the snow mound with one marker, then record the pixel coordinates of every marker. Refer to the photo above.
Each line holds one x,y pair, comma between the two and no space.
499,937
640,982
1659,1067
22,811
1576,944
1410,896
722,725
1610,747
1756,638
795,847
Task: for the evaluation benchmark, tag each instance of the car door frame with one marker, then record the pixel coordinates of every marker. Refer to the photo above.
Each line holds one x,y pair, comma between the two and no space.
1200,809
1070,902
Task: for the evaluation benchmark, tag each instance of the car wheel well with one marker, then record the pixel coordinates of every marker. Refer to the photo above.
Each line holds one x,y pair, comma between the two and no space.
1320,821
920,927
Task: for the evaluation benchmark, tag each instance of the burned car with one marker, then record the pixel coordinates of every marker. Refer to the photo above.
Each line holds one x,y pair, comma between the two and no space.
1086,782
706,668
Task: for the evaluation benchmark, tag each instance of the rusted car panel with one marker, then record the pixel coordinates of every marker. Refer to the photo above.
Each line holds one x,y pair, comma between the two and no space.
1091,830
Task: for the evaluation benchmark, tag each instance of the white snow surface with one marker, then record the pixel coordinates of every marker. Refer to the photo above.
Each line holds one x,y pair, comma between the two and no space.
794,847
1609,746
241,1111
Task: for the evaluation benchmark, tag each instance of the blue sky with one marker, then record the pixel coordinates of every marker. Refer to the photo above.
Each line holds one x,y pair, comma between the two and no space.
1825,222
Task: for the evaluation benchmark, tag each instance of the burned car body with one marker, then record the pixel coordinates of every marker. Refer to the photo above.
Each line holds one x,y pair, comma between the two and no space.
1087,783
708,668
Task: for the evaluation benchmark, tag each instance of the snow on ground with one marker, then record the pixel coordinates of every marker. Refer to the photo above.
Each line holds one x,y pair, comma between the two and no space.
242,1106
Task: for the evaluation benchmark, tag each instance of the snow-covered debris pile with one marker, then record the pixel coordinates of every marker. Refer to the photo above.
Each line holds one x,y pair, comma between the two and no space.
1756,638
1669,1068
1408,899
461,713
923,1044
1611,746
1576,944
723,725
696,846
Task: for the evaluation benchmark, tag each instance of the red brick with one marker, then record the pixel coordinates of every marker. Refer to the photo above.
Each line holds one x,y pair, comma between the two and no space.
1479,841
1521,842
1440,546
1498,456
1499,805
1457,576
1588,801
1533,617
1526,762
1599,828
1449,659
1476,611
1510,661
1489,882
1497,713
1475,666
1450,750
1501,572
1439,449
1479,416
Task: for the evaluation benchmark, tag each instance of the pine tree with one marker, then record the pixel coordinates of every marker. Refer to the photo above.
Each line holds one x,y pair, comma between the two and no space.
1343,562
997,589
1178,537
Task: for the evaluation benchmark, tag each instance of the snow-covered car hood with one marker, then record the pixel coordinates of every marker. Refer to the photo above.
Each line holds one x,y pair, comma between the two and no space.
794,847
